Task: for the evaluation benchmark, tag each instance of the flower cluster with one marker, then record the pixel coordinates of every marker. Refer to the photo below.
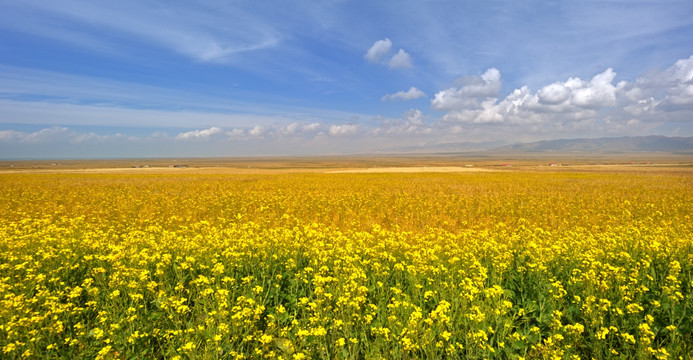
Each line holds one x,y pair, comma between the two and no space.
298,266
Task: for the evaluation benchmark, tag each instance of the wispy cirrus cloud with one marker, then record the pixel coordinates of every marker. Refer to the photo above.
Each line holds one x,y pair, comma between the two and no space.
32,96
208,34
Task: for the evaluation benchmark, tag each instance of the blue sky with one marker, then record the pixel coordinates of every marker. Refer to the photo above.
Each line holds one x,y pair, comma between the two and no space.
236,78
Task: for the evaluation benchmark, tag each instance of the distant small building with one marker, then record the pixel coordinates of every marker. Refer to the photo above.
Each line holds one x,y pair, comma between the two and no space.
553,164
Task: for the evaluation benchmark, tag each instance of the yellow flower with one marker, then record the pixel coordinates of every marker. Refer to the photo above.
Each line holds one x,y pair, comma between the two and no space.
103,352
445,335
601,334
189,346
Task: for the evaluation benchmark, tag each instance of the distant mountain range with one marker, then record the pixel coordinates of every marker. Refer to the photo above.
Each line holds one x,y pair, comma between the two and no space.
605,145
653,143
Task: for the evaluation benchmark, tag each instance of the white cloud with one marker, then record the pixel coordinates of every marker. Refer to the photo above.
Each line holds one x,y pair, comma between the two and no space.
379,50
236,134
488,112
400,60
674,85
594,106
298,129
258,130
10,136
67,138
578,96
555,93
597,93
58,134
411,123
411,94
312,127
681,95
486,85
681,72
200,134
290,129
344,129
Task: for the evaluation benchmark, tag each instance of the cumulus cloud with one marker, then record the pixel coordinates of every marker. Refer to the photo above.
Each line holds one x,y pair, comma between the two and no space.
57,134
10,136
297,128
312,127
597,93
467,95
555,93
682,95
400,60
575,99
488,112
294,129
234,134
258,130
200,134
379,50
343,130
276,132
597,104
411,123
674,85
411,94
681,72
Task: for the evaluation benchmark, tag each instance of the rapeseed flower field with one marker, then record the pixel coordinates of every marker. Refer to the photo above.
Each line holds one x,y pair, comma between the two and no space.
497,265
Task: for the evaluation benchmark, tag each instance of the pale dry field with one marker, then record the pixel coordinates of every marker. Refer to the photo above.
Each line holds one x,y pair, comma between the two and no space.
646,163
414,169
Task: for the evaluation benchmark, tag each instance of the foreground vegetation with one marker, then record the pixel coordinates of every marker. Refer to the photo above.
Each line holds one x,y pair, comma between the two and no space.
505,265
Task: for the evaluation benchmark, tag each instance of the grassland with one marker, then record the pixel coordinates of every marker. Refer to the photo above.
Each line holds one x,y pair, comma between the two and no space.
290,260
